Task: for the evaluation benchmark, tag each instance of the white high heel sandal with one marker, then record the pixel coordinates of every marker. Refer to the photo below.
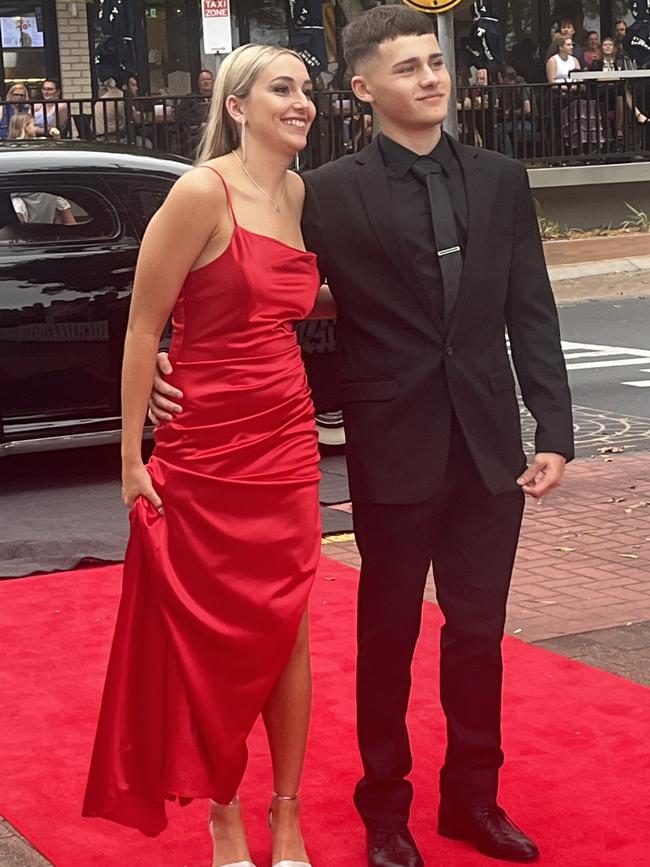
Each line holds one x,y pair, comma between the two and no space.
214,806
286,863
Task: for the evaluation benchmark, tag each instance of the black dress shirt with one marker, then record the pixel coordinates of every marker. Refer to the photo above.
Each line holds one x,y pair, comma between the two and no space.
413,212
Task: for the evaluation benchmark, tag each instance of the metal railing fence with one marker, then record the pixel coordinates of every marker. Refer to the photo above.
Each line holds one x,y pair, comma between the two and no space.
579,122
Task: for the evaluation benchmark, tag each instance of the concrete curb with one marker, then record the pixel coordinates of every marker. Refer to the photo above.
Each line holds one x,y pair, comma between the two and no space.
607,278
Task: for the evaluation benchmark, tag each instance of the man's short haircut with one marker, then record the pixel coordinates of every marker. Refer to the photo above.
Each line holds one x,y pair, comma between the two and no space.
620,21
363,36
565,21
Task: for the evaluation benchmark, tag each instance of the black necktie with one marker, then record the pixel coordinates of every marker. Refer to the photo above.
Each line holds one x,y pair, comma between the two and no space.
445,236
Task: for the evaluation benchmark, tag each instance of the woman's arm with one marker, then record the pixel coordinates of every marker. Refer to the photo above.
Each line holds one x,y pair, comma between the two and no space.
550,69
174,239
38,108
61,116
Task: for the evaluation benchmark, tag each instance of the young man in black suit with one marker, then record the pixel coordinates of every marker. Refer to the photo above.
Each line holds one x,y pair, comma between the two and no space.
431,250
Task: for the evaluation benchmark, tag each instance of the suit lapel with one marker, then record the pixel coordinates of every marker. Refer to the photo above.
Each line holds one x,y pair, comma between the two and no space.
478,198
373,187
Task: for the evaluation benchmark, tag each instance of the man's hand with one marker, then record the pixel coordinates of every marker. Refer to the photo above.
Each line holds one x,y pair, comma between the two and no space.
544,474
161,406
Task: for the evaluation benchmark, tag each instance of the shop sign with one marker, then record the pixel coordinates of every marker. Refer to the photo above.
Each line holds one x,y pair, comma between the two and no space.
217,35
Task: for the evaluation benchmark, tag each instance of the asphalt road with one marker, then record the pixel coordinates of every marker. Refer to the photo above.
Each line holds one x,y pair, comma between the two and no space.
607,348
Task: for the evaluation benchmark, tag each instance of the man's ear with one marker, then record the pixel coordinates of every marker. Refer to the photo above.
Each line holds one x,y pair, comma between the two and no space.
361,89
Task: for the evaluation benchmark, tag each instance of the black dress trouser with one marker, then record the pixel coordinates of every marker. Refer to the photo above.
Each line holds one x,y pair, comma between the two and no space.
470,536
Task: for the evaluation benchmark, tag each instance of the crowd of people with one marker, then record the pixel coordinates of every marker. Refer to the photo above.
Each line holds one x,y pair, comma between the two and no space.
590,117
583,115
22,117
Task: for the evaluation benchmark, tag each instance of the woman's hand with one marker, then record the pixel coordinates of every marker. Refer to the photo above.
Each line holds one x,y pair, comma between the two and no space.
136,482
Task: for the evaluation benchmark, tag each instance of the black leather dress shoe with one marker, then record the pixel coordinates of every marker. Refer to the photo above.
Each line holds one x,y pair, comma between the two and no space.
489,829
392,846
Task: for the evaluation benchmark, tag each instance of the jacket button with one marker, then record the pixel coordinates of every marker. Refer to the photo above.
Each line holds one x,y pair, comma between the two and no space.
449,350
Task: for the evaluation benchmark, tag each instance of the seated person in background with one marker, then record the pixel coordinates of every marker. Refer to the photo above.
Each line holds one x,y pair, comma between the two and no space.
52,113
610,97
480,97
592,48
42,208
139,117
620,34
609,60
580,121
109,114
16,98
23,126
517,109
562,63
132,88
193,110
566,29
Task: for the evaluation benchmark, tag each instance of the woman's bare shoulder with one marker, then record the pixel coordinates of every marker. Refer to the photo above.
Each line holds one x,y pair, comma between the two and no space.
199,188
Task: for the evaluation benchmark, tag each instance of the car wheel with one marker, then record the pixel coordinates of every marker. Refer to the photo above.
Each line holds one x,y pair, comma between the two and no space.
330,428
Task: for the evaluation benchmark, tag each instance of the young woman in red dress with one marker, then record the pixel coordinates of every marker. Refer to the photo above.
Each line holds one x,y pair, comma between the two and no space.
225,521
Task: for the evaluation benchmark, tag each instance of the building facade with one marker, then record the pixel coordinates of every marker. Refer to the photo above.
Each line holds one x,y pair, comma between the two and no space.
58,38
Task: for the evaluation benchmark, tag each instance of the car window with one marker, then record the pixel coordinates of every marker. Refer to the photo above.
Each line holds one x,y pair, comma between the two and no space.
54,213
141,197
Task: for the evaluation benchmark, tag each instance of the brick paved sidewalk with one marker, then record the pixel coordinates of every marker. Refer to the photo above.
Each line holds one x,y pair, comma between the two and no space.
574,251
584,556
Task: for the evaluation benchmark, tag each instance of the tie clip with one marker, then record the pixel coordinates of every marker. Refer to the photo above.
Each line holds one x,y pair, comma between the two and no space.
448,251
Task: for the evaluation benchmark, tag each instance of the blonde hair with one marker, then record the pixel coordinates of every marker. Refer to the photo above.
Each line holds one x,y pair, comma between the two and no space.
16,84
18,125
560,39
236,77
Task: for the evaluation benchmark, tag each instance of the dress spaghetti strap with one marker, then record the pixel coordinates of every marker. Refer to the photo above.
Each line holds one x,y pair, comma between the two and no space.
225,186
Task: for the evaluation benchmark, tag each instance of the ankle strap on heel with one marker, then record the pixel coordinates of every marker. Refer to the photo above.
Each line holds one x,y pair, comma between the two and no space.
277,797
217,804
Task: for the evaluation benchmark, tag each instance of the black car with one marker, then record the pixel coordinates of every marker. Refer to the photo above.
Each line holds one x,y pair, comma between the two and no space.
71,220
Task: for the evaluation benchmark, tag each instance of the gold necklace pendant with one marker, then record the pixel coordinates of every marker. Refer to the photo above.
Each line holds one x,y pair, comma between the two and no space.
276,207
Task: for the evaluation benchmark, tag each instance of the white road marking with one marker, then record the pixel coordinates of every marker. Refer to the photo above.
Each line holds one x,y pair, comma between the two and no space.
612,362
641,383
602,355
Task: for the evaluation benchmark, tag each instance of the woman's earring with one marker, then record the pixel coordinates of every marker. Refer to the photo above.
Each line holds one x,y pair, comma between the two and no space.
296,162
243,140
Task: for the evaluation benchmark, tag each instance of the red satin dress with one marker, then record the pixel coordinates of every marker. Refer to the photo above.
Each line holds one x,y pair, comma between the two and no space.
214,590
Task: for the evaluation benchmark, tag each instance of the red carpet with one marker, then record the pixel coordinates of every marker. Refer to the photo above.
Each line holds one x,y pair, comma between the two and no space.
577,741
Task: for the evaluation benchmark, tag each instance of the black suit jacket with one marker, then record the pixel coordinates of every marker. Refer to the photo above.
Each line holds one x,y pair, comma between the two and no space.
401,374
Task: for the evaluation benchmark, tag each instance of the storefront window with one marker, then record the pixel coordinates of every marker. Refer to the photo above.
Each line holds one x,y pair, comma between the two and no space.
263,21
168,41
22,37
